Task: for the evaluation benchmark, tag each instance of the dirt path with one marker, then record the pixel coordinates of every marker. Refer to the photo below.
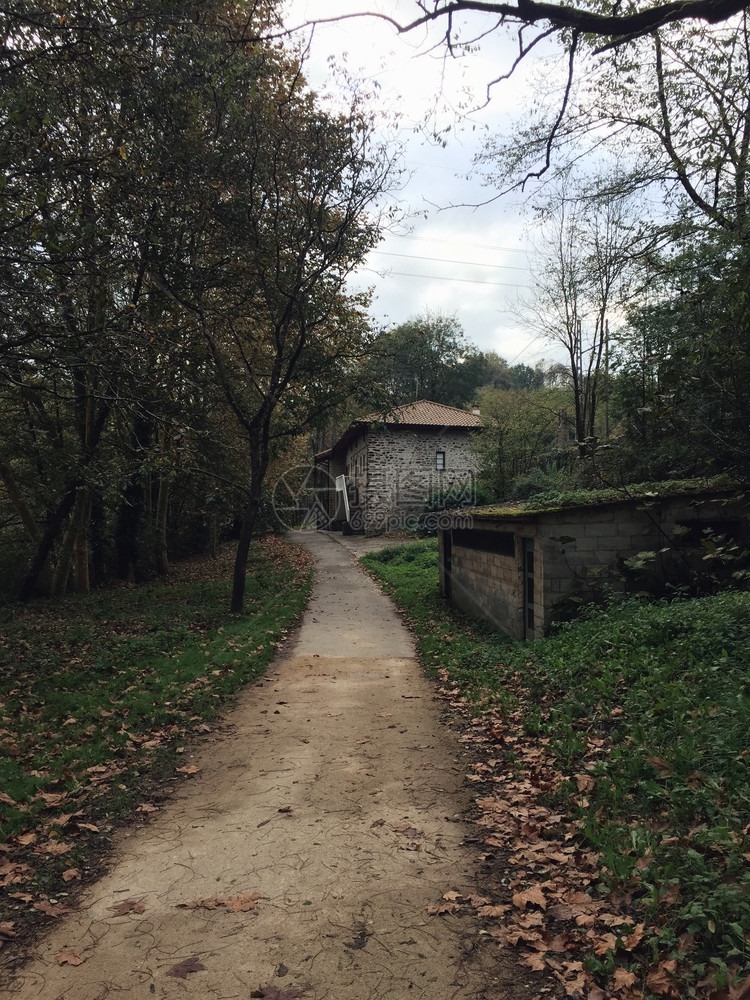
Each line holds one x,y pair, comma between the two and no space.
333,793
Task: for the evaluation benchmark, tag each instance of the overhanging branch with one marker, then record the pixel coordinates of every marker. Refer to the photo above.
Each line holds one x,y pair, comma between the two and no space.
615,27
623,26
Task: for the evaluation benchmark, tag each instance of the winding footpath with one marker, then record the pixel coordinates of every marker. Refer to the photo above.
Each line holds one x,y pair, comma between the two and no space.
300,860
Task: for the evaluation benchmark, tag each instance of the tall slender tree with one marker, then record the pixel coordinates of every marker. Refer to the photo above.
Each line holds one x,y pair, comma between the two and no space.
179,219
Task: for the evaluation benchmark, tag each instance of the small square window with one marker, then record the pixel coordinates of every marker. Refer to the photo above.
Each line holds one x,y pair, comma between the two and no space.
440,460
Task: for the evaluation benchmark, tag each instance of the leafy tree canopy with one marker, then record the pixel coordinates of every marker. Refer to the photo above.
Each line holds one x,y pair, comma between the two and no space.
428,357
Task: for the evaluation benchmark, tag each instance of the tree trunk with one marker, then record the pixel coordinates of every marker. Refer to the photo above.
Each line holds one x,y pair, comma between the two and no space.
132,511
57,518
22,508
54,526
28,520
99,540
81,547
258,448
249,519
214,534
162,509
70,544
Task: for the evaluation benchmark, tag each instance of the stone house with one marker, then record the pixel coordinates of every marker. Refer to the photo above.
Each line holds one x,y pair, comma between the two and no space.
377,476
524,569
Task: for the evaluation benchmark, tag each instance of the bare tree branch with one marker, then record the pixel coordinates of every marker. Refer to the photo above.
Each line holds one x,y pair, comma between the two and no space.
616,27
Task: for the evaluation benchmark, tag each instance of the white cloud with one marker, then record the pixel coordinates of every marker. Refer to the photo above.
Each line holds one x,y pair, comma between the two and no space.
465,261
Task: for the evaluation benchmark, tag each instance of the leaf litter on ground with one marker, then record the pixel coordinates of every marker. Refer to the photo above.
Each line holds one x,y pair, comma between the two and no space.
101,693
609,764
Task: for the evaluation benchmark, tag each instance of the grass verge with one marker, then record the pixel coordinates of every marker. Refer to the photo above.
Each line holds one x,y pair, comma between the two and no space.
99,694
614,770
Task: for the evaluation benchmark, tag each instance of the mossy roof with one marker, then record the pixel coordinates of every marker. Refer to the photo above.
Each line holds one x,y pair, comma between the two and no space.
551,503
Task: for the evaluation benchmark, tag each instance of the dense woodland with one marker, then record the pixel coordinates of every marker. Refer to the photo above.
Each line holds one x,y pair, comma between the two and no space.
178,220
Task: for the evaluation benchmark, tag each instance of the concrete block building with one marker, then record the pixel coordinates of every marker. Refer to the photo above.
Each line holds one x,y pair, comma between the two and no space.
519,568
385,465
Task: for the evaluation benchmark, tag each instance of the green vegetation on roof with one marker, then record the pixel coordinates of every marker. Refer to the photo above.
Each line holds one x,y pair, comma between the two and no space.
545,503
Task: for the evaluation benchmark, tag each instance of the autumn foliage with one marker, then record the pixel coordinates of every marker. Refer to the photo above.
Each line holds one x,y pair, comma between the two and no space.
102,697
610,767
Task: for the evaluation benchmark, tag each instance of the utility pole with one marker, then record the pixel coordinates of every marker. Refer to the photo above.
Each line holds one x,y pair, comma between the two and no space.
606,380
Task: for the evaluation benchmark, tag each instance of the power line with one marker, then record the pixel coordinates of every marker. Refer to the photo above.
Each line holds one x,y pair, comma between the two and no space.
525,349
481,246
444,260
441,277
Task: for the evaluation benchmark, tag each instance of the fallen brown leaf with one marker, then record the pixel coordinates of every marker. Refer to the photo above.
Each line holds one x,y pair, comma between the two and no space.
493,911
671,894
572,977
532,895
64,818
70,873
623,980
128,906
275,993
51,799
660,980
185,967
51,909
634,939
69,958
243,902
659,764
53,847
531,919
741,991
407,829
604,942
560,944
534,960
440,908
477,901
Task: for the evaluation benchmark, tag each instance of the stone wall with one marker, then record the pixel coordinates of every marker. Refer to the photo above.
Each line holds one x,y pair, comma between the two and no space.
400,471
356,473
325,479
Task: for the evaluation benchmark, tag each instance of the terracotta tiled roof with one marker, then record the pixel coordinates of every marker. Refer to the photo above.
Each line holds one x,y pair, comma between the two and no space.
425,413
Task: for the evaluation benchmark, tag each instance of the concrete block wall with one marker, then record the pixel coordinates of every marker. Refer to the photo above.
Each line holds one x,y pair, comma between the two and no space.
588,547
575,550
488,585
583,550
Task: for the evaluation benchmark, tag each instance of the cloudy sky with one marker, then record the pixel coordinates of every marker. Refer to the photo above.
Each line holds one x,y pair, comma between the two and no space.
447,255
